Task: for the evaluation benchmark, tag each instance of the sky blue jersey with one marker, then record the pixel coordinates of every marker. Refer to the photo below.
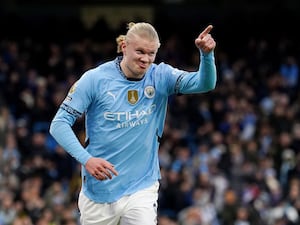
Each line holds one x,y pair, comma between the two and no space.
124,121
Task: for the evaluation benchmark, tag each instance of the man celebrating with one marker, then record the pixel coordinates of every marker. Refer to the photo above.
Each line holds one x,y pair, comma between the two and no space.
125,104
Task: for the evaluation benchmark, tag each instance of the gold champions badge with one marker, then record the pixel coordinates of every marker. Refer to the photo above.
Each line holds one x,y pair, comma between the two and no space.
132,96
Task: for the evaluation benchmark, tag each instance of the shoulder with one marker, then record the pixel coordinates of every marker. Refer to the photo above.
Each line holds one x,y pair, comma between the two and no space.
165,69
100,71
158,68
103,66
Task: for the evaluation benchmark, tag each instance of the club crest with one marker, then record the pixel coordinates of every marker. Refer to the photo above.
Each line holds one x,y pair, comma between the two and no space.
132,96
149,91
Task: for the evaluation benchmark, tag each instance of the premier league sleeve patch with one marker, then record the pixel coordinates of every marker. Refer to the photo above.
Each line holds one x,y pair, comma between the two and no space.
72,89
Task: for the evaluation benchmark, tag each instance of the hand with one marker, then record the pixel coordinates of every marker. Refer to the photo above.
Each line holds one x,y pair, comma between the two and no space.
204,41
100,168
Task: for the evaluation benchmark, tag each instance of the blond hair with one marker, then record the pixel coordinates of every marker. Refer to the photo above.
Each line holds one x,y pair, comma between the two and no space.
141,29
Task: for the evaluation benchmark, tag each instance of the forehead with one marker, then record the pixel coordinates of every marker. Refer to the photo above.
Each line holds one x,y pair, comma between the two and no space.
143,42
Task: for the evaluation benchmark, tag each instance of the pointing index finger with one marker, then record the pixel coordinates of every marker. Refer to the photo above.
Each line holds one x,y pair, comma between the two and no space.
206,31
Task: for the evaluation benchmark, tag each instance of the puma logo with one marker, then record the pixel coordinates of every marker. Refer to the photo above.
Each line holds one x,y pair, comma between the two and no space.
112,95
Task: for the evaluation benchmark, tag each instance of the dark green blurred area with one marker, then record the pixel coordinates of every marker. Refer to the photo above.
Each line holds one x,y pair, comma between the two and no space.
231,16
235,22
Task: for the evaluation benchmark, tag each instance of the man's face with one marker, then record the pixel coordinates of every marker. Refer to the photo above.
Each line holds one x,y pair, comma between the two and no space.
138,54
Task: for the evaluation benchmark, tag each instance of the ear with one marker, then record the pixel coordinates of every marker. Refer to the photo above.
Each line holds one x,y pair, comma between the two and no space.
123,47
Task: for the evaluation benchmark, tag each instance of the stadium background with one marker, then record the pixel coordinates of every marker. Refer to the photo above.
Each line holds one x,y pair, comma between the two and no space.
230,157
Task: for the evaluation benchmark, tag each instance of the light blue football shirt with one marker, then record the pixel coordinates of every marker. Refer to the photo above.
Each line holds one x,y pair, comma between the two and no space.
124,121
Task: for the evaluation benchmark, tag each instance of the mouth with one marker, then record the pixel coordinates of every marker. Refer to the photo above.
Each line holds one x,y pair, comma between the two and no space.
143,66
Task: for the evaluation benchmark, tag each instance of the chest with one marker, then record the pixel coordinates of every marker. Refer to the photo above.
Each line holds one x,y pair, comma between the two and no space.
128,97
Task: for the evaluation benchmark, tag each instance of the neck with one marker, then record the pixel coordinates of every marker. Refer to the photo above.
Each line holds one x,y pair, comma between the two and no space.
125,72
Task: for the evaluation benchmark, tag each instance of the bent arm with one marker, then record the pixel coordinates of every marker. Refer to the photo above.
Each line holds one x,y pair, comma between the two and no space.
203,80
61,130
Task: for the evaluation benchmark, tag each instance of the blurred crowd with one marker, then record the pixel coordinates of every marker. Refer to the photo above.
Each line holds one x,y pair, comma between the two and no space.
228,157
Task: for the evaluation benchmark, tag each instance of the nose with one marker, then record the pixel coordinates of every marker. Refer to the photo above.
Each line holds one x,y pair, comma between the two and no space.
145,58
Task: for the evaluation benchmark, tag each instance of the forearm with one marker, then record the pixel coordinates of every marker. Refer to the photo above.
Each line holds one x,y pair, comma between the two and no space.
65,136
207,71
201,81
